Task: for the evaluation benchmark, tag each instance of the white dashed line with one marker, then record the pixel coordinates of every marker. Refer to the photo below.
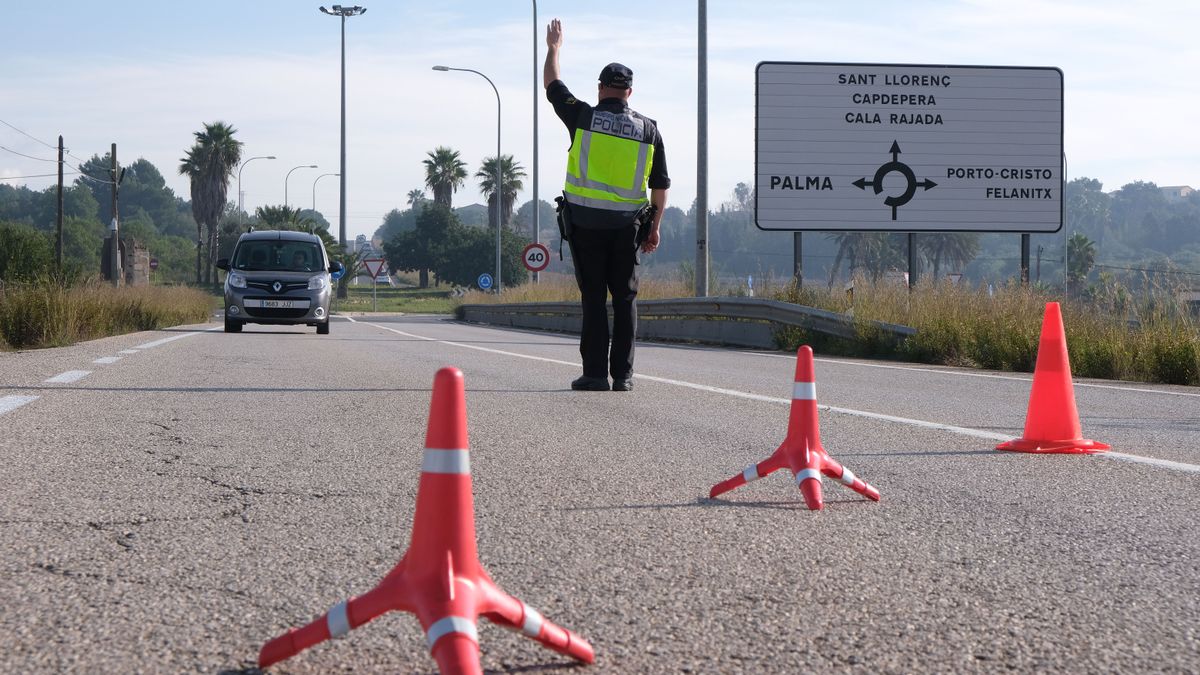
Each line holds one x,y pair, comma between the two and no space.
107,360
159,343
10,403
963,431
69,377
128,351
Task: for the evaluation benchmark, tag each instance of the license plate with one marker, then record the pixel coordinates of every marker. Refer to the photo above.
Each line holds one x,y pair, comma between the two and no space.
278,304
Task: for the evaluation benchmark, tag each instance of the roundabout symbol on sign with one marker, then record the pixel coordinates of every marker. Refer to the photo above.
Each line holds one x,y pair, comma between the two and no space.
484,281
536,257
903,169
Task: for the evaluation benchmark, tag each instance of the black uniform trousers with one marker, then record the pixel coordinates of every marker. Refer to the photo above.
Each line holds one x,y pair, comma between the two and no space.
606,262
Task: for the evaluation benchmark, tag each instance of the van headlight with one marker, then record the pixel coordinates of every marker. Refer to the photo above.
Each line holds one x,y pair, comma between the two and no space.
237,280
318,283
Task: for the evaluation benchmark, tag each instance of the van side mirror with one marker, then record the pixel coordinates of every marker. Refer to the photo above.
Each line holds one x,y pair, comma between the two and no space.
223,264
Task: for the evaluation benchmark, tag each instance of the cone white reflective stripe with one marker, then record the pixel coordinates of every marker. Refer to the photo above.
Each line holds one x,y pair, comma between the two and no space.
804,391
751,473
848,476
338,620
533,621
446,461
808,473
448,625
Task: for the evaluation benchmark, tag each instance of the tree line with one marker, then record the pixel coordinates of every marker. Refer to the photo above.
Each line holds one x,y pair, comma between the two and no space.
1124,233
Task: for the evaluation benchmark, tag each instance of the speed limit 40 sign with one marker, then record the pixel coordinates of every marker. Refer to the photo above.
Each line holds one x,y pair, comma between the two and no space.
536,257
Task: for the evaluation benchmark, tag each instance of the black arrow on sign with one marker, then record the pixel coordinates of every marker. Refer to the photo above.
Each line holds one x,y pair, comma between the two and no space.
927,184
862,183
895,151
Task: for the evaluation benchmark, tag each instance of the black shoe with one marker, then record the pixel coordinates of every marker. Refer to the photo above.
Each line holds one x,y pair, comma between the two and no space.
623,384
586,383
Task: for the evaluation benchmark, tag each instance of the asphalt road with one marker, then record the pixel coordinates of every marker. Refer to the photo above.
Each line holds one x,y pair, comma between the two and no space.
172,510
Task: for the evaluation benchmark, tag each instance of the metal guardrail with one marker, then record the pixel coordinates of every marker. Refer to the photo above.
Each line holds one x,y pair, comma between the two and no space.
745,322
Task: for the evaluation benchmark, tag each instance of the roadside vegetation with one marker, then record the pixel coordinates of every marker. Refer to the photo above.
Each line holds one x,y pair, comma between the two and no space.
1111,334
53,314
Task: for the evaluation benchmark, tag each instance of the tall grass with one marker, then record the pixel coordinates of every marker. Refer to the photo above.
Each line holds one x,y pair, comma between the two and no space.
1109,335
49,314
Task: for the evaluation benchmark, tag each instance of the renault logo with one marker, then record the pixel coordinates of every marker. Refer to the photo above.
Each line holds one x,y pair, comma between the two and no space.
277,286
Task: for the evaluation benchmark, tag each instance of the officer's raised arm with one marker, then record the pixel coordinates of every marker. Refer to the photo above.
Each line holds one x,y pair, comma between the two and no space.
554,40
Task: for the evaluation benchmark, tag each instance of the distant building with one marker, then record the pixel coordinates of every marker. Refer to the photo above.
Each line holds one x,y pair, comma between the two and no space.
1177,193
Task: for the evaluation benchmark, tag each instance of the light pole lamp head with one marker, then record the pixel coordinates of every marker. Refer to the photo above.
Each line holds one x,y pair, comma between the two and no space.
270,157
441,68
338,10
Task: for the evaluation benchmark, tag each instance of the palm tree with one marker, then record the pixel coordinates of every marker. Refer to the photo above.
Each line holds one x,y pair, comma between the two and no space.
415,197
284,218
876,252
444,174
955,248
1081,257
511,174
209,164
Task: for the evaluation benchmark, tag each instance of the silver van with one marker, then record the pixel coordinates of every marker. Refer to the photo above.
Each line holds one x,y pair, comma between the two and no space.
278,277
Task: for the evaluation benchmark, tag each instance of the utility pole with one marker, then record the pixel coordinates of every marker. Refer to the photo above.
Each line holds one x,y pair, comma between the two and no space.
1025,259
114,260
1038,278
702,152
58,221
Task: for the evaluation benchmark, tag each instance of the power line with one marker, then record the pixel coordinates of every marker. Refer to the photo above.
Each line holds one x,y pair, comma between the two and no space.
52,147
40,159
38,175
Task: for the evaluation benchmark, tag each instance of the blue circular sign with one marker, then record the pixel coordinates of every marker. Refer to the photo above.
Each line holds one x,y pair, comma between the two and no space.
484,281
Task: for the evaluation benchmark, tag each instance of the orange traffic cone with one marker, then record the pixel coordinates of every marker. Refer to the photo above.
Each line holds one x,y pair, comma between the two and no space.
1052,423
439,579
801,450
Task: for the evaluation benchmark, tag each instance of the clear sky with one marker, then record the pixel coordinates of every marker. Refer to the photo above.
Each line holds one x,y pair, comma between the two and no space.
147,73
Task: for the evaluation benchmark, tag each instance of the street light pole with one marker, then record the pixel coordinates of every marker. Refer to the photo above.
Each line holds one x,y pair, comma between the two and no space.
497,189
289,175
314,208
343,12
537,205
240,207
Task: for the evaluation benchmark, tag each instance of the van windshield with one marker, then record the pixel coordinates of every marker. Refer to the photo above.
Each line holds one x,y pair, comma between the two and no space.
278,256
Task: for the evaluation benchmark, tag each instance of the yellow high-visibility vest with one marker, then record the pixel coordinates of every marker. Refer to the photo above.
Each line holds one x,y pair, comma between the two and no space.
609,163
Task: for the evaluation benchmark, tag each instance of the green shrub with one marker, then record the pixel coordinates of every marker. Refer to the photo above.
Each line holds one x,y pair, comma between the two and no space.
25,253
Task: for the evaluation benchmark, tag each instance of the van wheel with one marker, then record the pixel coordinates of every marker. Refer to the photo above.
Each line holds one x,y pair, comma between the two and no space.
323,328
232,325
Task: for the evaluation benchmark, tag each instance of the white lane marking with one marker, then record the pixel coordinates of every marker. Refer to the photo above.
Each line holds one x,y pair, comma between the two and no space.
964,431
69,377
158,343
128,351
107,360
1164,463
989,376
10,403
350,319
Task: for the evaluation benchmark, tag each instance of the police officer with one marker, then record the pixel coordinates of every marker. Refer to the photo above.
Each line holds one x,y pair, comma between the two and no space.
616,154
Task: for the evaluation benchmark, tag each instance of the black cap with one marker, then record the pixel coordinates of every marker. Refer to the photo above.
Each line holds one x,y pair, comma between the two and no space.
616,76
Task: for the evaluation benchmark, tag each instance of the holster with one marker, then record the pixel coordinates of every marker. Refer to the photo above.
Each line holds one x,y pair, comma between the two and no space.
565,227
645,220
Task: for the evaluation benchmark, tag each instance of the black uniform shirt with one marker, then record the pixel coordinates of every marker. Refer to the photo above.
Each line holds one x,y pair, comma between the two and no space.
569,109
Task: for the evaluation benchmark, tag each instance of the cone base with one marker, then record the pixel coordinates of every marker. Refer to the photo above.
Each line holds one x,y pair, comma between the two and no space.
1077,446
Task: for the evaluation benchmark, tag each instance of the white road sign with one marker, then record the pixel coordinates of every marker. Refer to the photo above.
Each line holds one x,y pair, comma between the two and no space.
536,257
908,148
374,266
